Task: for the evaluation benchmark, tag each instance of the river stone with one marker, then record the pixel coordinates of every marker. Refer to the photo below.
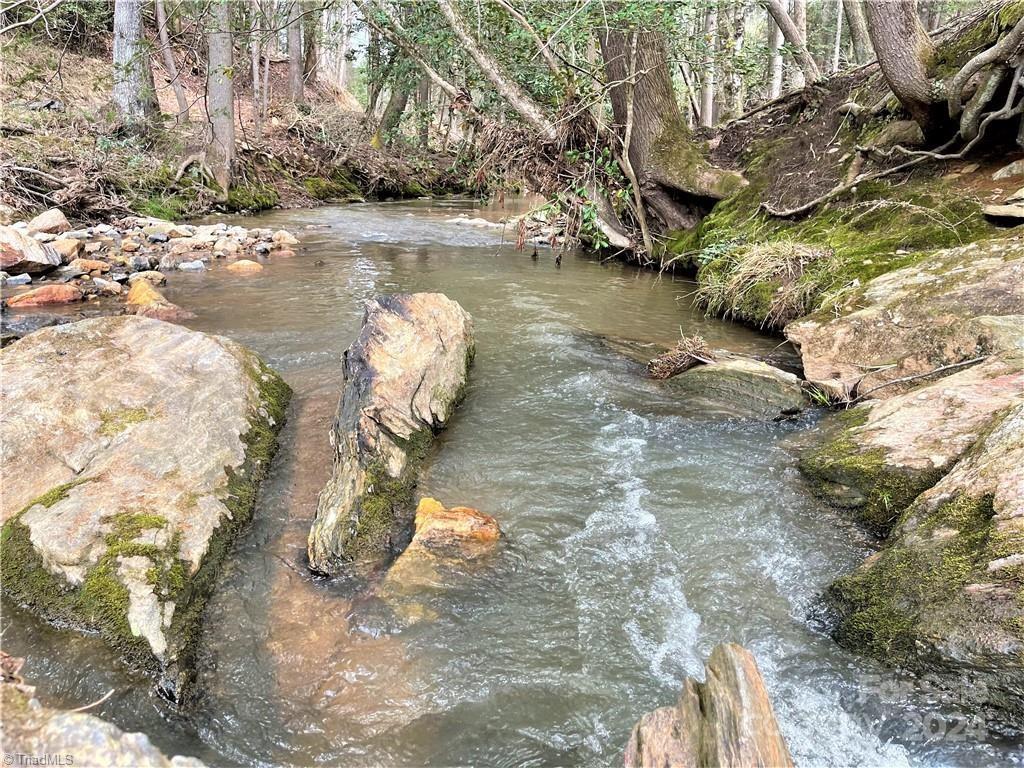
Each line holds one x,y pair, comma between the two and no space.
912,320
741,388
47,294
131,452
20,254
725,722
145,300
52,222
32,730
943,598
880,455
404,375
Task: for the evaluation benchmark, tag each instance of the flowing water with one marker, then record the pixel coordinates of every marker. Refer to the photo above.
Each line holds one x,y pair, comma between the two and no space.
641,535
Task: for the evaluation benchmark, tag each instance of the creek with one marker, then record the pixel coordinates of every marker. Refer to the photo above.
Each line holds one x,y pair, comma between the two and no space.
642,533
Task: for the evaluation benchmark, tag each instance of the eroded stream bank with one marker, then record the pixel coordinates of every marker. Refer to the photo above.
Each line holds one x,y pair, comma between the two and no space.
642,535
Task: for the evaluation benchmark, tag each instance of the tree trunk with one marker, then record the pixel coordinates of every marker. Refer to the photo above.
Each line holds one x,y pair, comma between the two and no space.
654,116
168,57
738,87
220,102
858,30
905,54
837,47
529,110
792,34
311,55
707,93
775,40
295,89
255,49
800,22
131,99
423,111
392,116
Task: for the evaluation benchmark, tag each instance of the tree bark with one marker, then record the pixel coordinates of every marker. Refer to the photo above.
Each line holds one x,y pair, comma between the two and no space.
528,109
220,102
792,34
837,45
311,55
295,62
393,112
168,57
905,54
858,30
707,93
423,111
775,40
131,61
800,22
255,51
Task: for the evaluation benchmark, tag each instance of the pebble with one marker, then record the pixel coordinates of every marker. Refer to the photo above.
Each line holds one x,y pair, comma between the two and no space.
158,237
192,266
16,279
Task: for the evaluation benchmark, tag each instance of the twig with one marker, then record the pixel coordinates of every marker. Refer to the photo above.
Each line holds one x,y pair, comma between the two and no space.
96,703
904,379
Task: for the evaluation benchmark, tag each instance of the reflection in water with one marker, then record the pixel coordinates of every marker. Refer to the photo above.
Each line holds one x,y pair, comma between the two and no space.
641,534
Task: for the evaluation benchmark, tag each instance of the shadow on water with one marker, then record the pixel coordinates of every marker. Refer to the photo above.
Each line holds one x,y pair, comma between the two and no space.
641,535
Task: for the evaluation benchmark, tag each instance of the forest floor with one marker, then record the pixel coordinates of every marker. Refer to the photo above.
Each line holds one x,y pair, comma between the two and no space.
61,147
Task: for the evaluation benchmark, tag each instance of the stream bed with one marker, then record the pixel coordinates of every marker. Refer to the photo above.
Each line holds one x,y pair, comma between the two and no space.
642,534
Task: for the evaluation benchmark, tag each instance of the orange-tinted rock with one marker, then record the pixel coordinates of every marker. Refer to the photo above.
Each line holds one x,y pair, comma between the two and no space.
48,294
147,301
462,531
92,266
245,266
67,247
283,237
20,254
284,252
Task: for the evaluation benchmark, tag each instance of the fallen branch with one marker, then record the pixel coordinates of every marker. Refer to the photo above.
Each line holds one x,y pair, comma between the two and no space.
914,377
687,353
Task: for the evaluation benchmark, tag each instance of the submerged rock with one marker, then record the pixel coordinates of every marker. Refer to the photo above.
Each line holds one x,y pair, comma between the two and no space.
131,453
147,301
404,375
245,266
32,730
880,455
725,722
20,254
742,388
913,320
943,598
444,539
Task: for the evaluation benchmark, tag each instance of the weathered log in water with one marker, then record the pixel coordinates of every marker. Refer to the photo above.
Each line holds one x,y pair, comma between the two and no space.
725,722
404,375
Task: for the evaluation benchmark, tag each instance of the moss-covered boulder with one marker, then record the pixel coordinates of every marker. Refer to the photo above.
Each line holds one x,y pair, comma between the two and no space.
725,722
876,458
404,375
945,597
913,320
131,453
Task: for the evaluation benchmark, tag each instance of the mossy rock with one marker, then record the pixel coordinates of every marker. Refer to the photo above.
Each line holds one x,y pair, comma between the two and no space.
130,544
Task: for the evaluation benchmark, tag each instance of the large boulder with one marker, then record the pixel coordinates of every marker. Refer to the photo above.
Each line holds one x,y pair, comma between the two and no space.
877,457
913,320
944,597
20,254
130,454
725,722
404,375
59,293
51,222
741,388
31,730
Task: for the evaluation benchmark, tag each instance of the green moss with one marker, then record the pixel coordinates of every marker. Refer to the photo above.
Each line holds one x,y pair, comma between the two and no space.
885,603
114,422
881,491
958,49
338,187
55,494
253,196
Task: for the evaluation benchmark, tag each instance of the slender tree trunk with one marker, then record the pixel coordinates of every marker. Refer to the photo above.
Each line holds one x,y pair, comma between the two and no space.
220,101
131,61
707,94
739,94
529,110
423,111
295,89
837,47
775,40
311,54
168,57
858,30
392,116
255,49
905,54
800,22
792,34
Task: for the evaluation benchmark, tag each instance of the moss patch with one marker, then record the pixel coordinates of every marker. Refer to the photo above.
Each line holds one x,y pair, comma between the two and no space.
885,603
115,422
254,196
881,491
